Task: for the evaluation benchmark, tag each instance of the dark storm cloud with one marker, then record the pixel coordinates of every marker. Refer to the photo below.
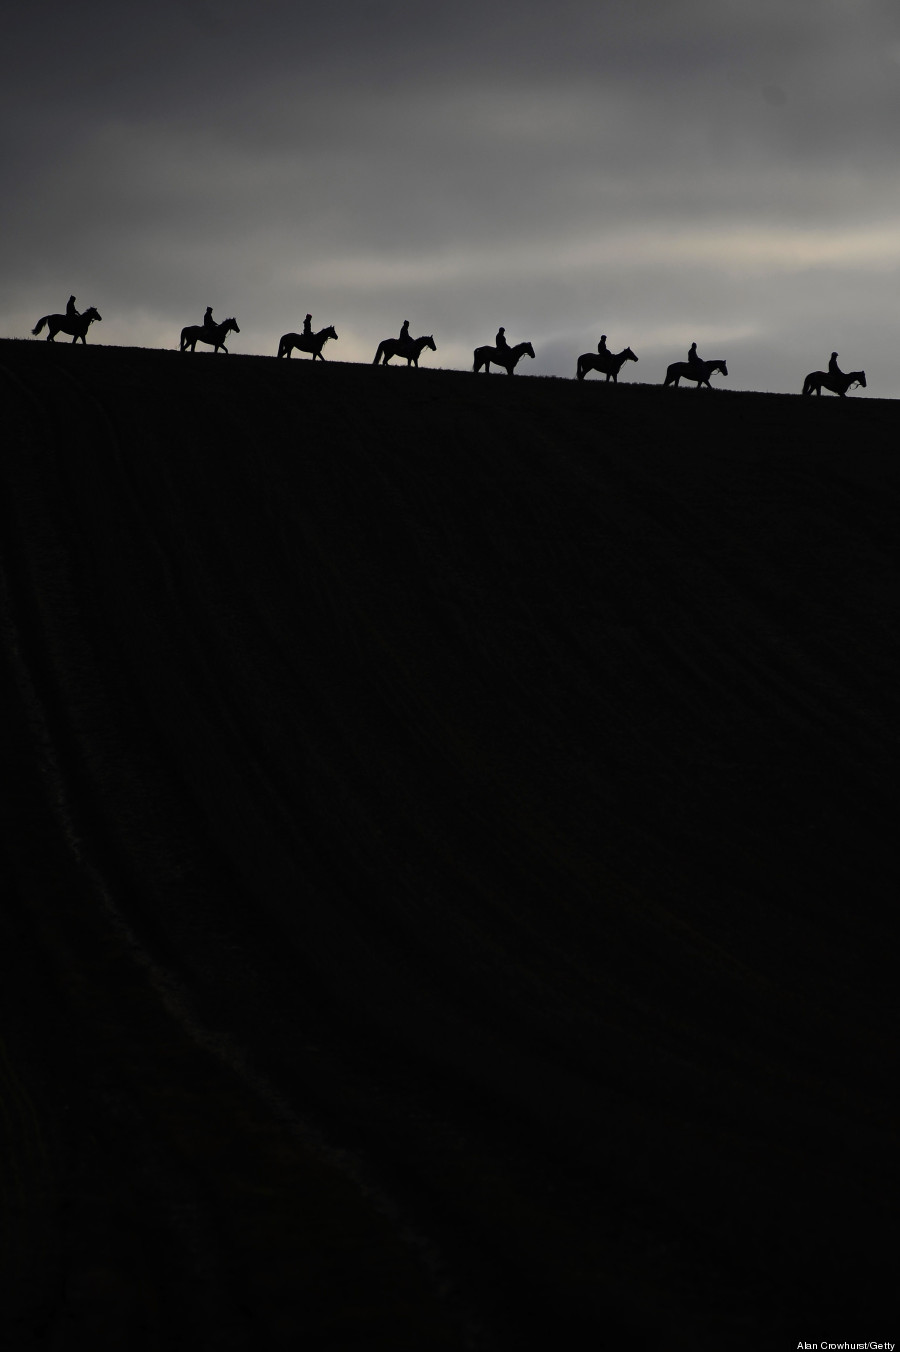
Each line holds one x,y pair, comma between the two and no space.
717,172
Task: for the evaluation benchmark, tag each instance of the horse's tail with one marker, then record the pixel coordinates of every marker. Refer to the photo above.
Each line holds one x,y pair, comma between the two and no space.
283,349
40,324
579,372
379,354
808,385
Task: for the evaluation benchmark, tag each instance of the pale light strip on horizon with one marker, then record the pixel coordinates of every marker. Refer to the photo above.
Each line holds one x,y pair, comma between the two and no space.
768,249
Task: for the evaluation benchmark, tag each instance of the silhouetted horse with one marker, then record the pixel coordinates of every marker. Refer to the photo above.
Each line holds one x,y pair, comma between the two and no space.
77,324
507,357
313,342
837,384
610,362
396,347
701,372
214,335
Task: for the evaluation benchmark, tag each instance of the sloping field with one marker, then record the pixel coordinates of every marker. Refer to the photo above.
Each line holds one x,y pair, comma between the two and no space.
451,845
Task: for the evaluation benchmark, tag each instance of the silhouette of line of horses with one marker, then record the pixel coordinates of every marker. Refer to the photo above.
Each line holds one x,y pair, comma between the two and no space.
498,354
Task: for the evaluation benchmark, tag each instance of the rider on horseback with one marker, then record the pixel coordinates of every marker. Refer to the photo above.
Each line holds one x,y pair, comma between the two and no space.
307,327
601,346
71,312
693,360
500,342
833,368
208,321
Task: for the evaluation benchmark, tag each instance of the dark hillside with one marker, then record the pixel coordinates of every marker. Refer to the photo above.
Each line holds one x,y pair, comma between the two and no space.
451,858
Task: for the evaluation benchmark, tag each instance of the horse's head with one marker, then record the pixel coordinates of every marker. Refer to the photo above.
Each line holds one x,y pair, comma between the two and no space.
428,341
91,313
859,377
629,355
330,332
720,366
231,325
527,349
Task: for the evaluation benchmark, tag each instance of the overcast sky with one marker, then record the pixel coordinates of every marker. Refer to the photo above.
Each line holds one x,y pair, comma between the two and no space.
661,171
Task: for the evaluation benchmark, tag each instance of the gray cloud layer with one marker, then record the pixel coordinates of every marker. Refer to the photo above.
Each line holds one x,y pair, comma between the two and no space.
662,173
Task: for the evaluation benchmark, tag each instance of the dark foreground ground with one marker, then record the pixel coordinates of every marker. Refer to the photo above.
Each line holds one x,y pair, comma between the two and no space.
451,853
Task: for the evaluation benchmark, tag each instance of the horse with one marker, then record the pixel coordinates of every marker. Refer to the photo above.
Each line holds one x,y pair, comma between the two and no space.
505,357
610,362
837,384
306,342
410,348
214,335
77,324
700,372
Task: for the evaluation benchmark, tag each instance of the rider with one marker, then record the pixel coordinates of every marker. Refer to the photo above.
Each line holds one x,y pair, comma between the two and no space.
833,368
693,360
208,321
601,346
404,332
500,341
71,312
307,327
